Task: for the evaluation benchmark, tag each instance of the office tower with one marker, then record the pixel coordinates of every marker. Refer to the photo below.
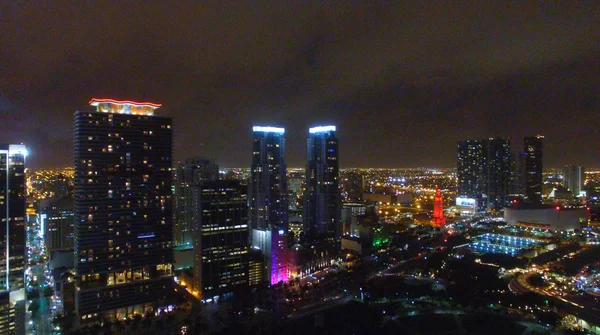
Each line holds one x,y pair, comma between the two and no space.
269,200
220,238
354,186
57,223
533,148
438,209
500,173
471,170
190,173
12,233
574,179
322,196
123,210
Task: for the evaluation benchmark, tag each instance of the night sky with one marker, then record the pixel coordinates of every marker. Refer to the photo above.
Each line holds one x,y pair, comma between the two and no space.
403,83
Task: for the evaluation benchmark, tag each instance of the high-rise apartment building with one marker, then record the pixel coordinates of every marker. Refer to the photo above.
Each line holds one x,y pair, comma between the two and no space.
12,216
499,172
471,169
12,242
574,179
269,200
353,185
485,171
533,148
123,211
322,201
57,222
220,238
190,173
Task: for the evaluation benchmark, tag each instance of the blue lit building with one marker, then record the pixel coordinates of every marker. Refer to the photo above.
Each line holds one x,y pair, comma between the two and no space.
268,198
322,200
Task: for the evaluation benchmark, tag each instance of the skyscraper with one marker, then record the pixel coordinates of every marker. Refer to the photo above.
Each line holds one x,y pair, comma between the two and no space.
533,148
123,211
499,172
269,200
471,169
485,171
190,173
12,234
12,214
322,201
574,178
56,219
220,238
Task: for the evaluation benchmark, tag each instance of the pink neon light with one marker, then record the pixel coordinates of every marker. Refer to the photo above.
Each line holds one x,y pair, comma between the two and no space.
125,102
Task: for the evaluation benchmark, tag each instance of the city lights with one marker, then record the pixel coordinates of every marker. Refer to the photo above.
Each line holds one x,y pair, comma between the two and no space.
268,129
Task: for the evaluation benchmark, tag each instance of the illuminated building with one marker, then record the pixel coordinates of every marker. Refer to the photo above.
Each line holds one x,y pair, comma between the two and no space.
353,185
190,173
471,169
255,268
220,238
573,179
7,315
485,171
438,209
545,217
12,212
269,200
273,244
322,196
533,148
12,230
499,172
123,211
57,220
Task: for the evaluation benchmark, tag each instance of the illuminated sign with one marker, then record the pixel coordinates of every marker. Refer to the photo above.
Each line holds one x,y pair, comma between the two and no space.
124,106
268,129
321,129
466,202
146,235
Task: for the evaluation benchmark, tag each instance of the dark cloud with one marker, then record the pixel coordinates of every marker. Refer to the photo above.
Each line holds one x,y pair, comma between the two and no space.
403,81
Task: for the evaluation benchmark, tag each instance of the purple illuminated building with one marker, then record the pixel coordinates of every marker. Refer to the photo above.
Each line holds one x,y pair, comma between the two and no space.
269,200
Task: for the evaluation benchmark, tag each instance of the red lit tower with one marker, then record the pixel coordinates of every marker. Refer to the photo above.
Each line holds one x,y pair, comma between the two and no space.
438,209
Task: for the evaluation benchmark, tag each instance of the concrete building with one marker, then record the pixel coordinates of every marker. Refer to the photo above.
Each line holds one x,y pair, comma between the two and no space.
554,218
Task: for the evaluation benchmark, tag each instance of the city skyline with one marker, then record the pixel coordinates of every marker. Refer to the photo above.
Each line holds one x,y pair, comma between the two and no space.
405,74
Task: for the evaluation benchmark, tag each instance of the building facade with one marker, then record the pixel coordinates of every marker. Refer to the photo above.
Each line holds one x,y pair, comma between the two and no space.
221,240
322,199
123,212
499,172
190,173
533,148
57,222
471,170
485,171
12,234
269,199
12,216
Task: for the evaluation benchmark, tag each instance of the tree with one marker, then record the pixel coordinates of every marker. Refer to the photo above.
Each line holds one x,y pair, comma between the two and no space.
34,307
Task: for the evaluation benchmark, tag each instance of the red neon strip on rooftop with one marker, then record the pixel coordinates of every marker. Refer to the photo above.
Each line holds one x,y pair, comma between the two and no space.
124,102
